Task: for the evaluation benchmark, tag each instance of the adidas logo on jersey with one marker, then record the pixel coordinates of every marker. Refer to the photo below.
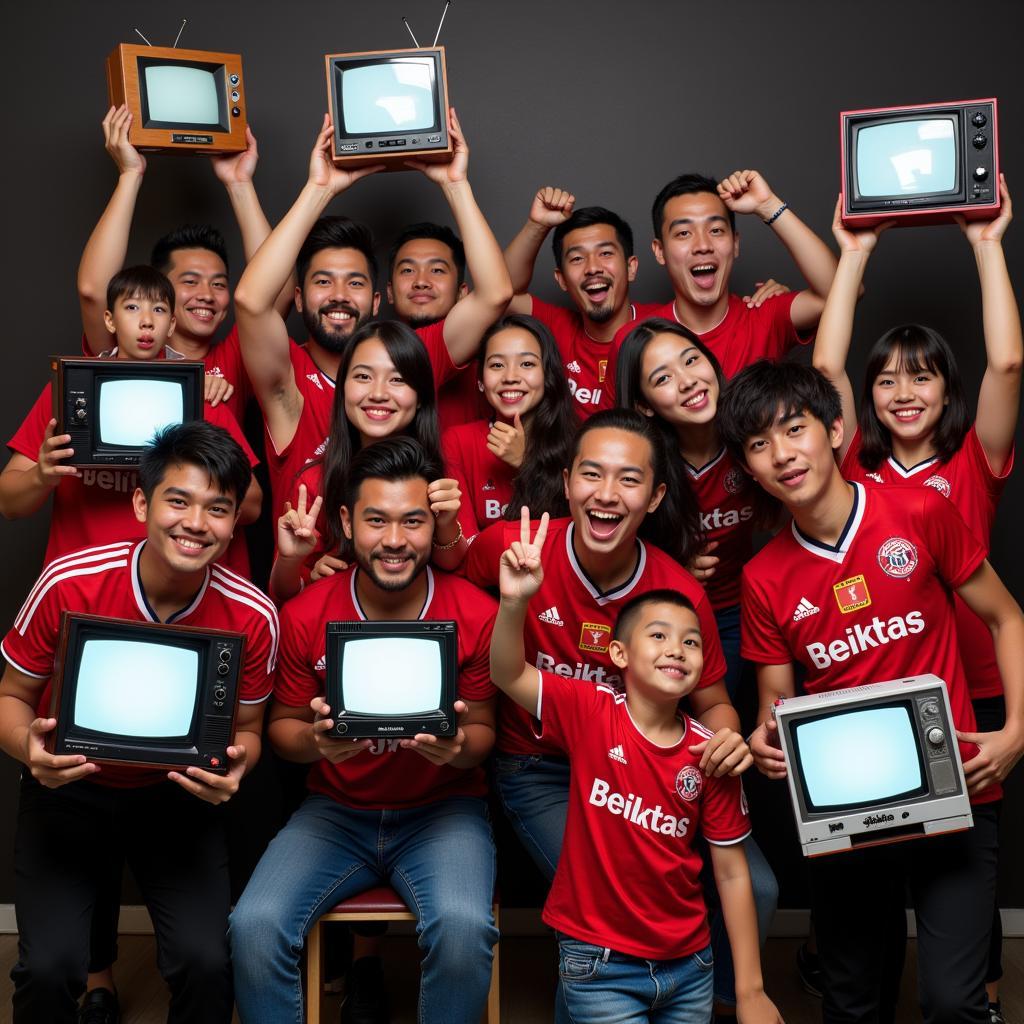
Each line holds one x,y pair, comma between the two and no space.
573,367
315,378
876,633
631,808
551,616
321,664
804,610
616,754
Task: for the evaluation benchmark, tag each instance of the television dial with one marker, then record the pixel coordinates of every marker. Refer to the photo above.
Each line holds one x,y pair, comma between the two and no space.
236,111
936,737
234,96
444,725
341,728
225,654
980,173
980,141
979,120
80,415
220,693
79,403
234,81
223,669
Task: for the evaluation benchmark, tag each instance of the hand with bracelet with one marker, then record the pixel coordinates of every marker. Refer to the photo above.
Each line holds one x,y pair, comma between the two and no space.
445,501
748,192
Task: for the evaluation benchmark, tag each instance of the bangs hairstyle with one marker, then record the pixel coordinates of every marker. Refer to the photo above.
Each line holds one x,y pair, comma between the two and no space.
674,526
336,233
197,443
916,349
141,282
685,185
631,609
410,359
765,392
587,217
188,236
553,424
437,233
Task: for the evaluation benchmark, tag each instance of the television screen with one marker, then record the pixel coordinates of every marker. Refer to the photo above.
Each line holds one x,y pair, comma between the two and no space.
858,757
907,158
395,96
391,676
182,94
136,688
132,411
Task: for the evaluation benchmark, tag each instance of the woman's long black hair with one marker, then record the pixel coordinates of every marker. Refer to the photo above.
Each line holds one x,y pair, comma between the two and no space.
552,427
917,348
412,362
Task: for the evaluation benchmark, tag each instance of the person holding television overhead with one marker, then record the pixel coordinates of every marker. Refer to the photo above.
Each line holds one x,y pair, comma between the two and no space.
409,812
860,589
193,256
335,292
74,815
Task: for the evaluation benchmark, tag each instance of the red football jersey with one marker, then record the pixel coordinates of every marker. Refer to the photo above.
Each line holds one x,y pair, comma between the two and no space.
724,493
628,876
876,606
587,362
386,775
224,359
105,580
484,480
458,397
968,481
569,623
96,507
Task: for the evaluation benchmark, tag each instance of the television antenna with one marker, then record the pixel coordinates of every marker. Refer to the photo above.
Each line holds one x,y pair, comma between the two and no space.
182,29
405,21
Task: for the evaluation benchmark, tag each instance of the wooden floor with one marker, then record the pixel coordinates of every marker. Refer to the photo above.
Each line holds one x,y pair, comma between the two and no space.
528,979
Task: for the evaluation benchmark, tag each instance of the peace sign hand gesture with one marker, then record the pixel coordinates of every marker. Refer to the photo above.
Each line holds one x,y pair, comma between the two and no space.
296,529
520,573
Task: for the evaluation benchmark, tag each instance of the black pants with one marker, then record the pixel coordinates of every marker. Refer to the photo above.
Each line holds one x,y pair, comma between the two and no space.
952,886
175,846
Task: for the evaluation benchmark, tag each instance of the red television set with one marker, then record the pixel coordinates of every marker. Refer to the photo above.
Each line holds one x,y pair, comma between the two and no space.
921,164
191,101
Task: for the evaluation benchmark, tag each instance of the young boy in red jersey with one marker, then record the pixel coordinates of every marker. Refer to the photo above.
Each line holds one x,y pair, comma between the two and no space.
859,589
626,898
76,817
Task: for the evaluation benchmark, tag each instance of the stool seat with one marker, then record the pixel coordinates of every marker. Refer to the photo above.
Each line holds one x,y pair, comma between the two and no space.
380,900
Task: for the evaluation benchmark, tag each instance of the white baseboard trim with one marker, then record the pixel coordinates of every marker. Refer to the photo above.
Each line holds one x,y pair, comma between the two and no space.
525,922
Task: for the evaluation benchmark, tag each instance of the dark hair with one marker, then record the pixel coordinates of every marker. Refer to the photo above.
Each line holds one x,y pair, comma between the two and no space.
685,185
674,526
760,393
391,458
629,611
438,233
553,422
142,282
188,236
196,443
586,217
412,362
336,233
916,348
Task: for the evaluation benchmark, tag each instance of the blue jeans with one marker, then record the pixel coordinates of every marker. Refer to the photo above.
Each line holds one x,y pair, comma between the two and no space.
601,986
440,860
534,792
728,622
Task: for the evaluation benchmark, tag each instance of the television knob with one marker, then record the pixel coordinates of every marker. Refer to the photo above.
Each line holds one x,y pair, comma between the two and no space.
220,693
980,173
234,81
980,141
80,415
79,403
341,728
235,96
979,120
223,669
236,111
225,654
444,725
936,737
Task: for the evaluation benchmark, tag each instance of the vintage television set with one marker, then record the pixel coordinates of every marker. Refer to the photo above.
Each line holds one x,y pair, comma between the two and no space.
388,106
145,694
392,679
186,100
920,165
873,764
112,407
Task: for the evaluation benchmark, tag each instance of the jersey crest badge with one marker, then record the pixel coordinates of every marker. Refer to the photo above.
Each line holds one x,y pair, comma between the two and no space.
689,782
852,594
940,483
735,480
595,636
897,557
602,369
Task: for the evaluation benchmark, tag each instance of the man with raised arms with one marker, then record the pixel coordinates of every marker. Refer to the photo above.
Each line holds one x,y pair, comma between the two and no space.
335,292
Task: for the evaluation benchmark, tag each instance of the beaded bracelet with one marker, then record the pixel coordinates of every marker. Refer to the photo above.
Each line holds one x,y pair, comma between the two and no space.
451,543
777,214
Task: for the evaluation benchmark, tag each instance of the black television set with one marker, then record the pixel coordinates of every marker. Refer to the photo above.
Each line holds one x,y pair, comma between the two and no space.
113,407
924,164
392,679
388,106
145,694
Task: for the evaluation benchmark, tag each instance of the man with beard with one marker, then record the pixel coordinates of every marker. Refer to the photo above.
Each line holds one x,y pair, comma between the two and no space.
409,812
335,273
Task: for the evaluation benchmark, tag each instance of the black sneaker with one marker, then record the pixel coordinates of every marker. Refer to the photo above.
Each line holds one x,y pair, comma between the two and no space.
100,1006
366,998
808,966
995,1013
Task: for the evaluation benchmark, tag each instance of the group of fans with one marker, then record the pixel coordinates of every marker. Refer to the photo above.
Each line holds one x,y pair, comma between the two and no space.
579,488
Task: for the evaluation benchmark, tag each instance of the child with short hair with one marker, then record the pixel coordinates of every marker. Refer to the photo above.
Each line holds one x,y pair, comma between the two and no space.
626,900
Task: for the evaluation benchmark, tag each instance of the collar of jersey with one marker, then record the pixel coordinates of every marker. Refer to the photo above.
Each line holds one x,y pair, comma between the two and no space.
583,320
423,611
143,602
836,552
616,593
904,472
698,473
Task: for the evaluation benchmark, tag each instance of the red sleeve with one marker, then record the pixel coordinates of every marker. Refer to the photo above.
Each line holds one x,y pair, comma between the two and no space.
432,337
29,436
993,482
714,658
475,670
849,464
761,641
557,319
296,683
227,356
563,704
485,552
257,681
221,417
724,819
454,466
31,644
956,551
776,316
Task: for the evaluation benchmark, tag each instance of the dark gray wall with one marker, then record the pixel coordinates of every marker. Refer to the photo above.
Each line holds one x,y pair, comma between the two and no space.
607,98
